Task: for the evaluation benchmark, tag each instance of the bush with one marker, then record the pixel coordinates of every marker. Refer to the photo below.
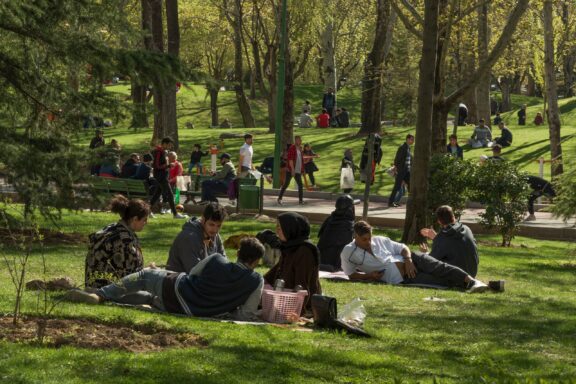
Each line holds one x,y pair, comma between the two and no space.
565,201
504,192
449,182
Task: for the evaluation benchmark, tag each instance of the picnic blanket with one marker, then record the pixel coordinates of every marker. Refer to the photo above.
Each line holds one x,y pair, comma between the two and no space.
341,276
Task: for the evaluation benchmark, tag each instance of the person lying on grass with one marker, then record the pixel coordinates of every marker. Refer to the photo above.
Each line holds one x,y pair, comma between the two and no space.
213,287
377,258
114,251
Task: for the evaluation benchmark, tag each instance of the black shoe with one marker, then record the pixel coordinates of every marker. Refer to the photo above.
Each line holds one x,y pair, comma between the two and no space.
393,205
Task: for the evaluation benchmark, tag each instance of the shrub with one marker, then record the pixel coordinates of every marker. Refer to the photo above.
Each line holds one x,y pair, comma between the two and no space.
565,201
504,192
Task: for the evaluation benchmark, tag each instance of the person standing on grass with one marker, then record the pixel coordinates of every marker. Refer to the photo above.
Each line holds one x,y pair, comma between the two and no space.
196,159
160,171
522,115
401,169
215,286
246,153
295,168
198,239
329,102
114,251
377,258
454,244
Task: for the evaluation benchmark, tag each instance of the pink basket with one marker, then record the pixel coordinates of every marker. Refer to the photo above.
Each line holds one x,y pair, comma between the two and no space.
277,305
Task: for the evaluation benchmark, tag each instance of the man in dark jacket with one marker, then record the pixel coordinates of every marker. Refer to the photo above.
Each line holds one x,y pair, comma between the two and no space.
402,165
160,170
540,187
131,166
198,239
454,244
506,139
213,287
336,231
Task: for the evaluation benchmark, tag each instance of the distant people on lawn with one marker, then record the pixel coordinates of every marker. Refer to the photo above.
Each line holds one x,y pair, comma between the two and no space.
336,232
496,153
305,120
300,258
196,159
462,114
309,165
294,169
348,162
306,107
505,140
453,149
377,258
401,168
215,286
538,119
246,154
342,118
497,119
323,119
96,142
522,115
540,187
114,251
110,166
329,101
220,181
454,244
482,136
198,239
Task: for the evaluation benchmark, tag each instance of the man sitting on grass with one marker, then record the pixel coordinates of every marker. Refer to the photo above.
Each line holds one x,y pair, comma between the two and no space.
377,258
213,287
198,239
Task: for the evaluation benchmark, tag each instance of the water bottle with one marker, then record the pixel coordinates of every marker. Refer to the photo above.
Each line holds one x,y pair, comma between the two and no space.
279,285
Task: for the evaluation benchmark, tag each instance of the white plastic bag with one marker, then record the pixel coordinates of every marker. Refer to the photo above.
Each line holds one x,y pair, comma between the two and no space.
182,182
346,178
353,313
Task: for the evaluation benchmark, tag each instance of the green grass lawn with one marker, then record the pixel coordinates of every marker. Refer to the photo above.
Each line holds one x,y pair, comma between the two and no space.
525,334
530,141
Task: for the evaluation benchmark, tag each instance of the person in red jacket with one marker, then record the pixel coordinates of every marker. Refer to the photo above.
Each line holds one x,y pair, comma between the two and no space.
323,119
295,168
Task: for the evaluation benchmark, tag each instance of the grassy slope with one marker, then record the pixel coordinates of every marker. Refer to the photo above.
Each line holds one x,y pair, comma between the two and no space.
525,333
530,142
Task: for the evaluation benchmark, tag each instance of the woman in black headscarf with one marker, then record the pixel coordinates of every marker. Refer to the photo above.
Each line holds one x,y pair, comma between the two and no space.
336,231
298,264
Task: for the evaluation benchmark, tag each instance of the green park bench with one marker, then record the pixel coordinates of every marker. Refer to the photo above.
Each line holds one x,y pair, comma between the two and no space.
111,186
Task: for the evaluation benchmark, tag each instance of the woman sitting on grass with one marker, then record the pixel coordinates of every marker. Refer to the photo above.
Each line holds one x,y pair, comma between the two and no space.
114,251
300,258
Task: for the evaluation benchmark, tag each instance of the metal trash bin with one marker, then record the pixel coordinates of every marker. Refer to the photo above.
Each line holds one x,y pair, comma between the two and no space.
248,197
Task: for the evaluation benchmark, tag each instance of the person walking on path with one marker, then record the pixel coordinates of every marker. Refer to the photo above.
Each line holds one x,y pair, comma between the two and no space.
402,166
295,168
246,153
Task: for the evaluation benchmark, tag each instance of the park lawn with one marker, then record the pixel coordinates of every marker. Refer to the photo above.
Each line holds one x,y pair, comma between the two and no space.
522,335
530,142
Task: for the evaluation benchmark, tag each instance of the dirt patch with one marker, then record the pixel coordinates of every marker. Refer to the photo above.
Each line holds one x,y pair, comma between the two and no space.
49,237
83,333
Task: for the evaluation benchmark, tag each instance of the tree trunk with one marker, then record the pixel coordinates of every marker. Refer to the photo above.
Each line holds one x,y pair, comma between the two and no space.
416,212
139,107
243,105
483,85
505,87
551,91
288,114
568,67
214,105
374,70
173,31
328,50
158,90
530,87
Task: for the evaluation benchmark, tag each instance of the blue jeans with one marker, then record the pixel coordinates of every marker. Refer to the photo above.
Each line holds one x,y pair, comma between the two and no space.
144,287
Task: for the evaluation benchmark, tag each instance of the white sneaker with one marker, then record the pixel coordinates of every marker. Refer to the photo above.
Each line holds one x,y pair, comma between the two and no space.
180,216
476,286
78,296
164,211
152,215
232,203
530,218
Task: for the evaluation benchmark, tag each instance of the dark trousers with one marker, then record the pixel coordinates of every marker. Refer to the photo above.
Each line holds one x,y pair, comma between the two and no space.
547,191
211,188
432,271
287,180
311,176
163,189
400,177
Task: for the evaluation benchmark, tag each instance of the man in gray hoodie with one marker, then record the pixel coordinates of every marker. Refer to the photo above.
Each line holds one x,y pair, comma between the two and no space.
198,239
454,244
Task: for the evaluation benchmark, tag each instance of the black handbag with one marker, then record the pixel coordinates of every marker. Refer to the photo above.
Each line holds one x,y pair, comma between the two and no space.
324,309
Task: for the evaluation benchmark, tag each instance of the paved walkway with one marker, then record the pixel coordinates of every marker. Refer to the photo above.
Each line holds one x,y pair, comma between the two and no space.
319,205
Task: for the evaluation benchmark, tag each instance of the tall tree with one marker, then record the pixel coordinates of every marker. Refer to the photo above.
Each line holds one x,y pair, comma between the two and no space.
416,217
372,81
483,86
553,114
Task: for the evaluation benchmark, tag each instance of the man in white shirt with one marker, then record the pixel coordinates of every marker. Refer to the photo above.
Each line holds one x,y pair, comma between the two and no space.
246,154
377,258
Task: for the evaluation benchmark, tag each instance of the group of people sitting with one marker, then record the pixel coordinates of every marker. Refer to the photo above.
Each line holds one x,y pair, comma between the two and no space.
200,280
482,136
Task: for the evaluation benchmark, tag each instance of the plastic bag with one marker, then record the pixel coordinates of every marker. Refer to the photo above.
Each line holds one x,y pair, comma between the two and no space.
353,313
346,178
182,182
